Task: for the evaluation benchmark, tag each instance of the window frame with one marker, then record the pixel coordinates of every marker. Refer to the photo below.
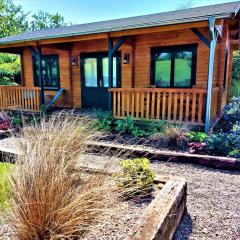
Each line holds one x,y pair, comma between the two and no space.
58,72
173,50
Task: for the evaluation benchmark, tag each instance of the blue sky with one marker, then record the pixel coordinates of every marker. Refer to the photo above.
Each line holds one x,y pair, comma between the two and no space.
82,11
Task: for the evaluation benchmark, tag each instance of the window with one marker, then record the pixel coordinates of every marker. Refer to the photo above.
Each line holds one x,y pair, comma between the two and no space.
225,70
50,71
173,66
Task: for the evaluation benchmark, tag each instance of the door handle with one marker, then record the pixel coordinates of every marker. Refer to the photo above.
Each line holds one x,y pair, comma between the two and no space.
101,81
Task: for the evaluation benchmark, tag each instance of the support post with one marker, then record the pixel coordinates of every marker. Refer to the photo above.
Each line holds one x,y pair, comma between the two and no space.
41,84
213,41
111,51
110,71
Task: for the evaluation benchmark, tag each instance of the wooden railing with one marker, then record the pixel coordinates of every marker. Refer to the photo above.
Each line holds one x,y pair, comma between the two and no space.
19,98
177,105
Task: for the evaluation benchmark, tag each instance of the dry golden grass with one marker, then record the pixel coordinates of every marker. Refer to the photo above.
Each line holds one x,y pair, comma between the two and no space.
51,197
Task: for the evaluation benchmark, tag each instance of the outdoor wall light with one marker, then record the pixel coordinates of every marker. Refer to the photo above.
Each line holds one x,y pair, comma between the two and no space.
125,58
74,61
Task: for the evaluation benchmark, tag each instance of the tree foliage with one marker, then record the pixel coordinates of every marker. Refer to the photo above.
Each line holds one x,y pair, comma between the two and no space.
13,20
44,20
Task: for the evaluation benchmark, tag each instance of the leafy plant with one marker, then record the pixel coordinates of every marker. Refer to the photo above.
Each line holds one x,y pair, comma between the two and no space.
196,136
135,177
125,126
104,122
232,112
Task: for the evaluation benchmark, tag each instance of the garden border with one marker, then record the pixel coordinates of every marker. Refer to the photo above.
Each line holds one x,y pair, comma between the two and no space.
162,217
217,162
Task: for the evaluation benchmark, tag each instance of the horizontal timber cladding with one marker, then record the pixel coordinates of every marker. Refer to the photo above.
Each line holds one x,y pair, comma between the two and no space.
134,74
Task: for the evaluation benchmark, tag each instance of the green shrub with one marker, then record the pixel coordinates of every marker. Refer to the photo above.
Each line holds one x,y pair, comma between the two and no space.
104,122
225,144
125,126
135,177
232,112
196,136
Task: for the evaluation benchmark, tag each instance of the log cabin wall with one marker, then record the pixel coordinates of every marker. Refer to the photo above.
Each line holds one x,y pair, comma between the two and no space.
137,72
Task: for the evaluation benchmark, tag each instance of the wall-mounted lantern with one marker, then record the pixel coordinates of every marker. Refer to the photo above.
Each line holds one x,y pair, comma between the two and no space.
126,58
74,61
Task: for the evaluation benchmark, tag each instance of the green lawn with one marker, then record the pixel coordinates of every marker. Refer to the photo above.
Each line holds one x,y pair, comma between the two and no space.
5,170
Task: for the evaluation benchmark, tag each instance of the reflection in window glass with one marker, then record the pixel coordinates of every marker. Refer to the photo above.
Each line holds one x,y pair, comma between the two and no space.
90,72
183,68
163,70
105,72
50,71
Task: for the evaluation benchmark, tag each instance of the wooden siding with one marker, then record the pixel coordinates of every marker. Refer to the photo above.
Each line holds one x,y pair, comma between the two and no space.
137,72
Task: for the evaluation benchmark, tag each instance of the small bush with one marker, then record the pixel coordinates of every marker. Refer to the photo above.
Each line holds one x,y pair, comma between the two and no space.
225,144
104,122
232,112
196,136
135,177
4,121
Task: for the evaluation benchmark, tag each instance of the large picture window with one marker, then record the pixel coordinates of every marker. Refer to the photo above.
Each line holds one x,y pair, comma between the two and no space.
50,71
173,67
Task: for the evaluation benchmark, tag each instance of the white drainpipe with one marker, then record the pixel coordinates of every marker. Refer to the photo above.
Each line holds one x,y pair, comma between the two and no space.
213,41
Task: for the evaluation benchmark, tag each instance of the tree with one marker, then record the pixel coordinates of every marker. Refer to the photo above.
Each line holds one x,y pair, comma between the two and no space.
44,20
13,20
185,5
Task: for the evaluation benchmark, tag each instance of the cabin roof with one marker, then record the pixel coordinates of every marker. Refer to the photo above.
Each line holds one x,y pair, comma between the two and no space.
224,10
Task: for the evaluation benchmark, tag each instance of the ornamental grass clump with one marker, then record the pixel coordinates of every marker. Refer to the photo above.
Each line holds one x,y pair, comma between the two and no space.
51,197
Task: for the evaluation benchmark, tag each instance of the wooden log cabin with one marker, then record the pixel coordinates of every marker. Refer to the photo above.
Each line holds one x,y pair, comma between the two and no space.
173,65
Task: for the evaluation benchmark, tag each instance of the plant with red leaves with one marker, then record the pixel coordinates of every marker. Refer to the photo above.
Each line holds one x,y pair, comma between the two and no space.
196,147
4,121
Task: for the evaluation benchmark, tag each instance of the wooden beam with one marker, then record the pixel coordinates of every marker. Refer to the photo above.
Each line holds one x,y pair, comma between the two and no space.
41,83
201,36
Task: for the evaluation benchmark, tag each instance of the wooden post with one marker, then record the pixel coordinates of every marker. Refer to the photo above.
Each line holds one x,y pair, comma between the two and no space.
110,71
111,51
41,83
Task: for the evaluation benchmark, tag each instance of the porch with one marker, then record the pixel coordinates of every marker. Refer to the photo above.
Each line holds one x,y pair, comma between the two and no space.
182,106
20,98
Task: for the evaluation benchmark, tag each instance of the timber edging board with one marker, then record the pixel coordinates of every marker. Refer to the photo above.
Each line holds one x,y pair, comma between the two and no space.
217,162
162,217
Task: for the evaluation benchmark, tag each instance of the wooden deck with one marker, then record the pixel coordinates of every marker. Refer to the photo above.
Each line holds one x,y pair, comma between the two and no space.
19,98
175,105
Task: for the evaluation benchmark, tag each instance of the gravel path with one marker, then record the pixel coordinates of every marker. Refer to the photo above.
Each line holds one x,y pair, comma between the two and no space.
213,202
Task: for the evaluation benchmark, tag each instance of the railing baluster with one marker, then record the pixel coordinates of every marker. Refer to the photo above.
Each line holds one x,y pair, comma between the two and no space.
153,106
158,105
187,107
164,105
181,107
193,106
169,106
119,103
137,105
114,104
142,104
200,105
133,104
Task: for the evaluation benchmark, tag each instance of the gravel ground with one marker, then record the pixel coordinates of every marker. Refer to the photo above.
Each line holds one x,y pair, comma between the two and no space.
213,206
213,202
